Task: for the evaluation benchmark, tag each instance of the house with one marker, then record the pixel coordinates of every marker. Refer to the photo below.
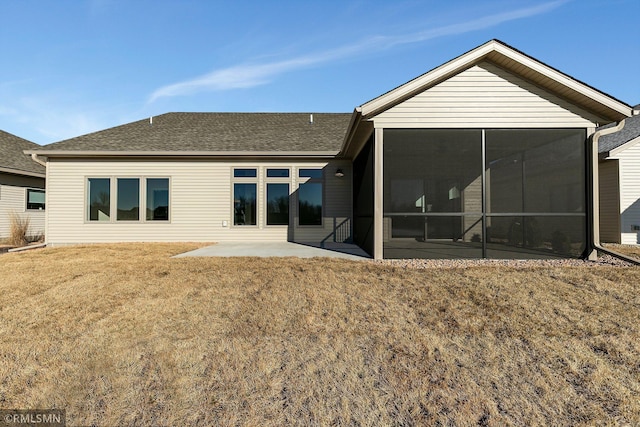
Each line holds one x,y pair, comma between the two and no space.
488,155
22,183
619,172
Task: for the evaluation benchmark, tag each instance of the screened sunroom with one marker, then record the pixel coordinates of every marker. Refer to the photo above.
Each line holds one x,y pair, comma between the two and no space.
487,156
491,193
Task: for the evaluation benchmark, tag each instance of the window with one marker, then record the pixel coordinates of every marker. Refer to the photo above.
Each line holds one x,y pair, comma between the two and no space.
277,203
99,199
277,173
277,196
157,199
127,199
244,204
245,196
245,173
128,192
35,199
310,197
310,173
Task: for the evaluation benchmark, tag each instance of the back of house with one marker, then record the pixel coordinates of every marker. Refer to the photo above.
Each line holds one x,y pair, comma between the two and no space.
486,156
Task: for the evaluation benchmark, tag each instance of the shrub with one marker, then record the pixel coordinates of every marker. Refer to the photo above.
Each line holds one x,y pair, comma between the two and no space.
18,229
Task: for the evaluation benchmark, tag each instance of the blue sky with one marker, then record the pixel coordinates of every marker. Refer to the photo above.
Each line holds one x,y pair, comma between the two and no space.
71,67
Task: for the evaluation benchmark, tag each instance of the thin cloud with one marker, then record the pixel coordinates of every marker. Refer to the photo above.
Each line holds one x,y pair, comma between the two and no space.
251,75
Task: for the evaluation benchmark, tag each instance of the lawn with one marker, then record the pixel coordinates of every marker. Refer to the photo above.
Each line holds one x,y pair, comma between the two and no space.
628,250
122,335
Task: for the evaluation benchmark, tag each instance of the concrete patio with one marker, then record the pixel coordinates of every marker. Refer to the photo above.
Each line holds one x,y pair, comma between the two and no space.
279,249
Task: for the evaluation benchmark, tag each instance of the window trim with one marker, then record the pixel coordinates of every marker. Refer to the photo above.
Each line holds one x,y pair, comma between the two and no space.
87,202
113,199
245,180
277,180
26,200
267,169
143,195
255,169
139,199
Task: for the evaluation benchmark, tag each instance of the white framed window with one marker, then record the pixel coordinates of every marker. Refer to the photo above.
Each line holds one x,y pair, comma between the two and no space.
35,199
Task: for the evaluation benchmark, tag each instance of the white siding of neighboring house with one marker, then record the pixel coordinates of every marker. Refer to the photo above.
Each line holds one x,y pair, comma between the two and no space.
485,96
629,161
13,194
608,179
200,200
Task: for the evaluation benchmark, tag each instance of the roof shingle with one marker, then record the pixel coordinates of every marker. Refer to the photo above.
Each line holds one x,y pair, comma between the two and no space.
212,132
12,157
630,131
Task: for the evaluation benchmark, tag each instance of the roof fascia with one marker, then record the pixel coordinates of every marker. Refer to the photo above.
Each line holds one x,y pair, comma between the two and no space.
21,172
474,56
386,101
565,80
351,130
202,154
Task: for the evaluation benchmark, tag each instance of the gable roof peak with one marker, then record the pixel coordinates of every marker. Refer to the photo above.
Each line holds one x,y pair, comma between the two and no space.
514,61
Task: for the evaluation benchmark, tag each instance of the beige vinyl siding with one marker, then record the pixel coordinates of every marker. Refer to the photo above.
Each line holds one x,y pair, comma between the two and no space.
485,96
200,201
13,198
629,160
609,201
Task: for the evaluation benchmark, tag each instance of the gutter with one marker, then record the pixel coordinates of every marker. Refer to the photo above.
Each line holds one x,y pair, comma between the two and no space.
187,154
595,198
21,172
34,157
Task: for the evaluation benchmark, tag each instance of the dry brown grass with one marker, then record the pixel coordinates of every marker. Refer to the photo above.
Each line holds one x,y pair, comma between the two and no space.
122,335
18,229
628,250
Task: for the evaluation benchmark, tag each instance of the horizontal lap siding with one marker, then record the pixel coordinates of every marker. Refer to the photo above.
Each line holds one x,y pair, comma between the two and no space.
630,193
485,96
200,200
13,193
609,201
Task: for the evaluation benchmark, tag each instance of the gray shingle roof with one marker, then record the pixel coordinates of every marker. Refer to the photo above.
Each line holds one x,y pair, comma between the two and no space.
631,130
211,132
12,157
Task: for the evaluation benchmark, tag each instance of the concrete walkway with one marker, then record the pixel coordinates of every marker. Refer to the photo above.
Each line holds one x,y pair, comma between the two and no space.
279,249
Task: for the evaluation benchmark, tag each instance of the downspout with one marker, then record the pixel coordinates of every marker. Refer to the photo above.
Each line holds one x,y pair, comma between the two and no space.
595,199
36,159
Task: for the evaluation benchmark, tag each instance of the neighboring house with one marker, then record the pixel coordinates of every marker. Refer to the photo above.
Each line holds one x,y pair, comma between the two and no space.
619,172
22,183
484,156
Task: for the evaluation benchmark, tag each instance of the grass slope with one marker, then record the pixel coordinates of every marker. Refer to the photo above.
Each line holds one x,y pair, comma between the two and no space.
122,335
